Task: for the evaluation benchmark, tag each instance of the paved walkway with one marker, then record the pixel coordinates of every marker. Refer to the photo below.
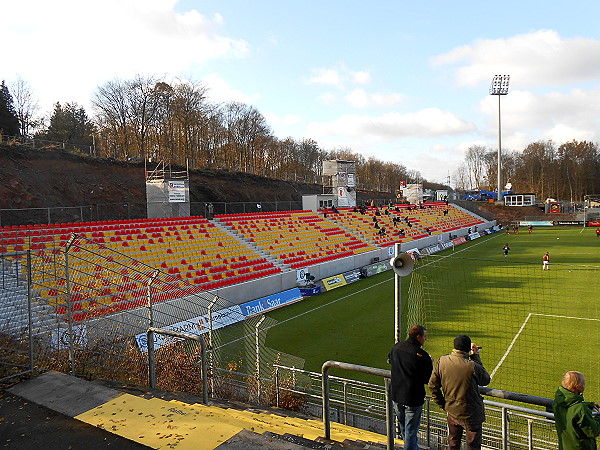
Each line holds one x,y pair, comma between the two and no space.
27,426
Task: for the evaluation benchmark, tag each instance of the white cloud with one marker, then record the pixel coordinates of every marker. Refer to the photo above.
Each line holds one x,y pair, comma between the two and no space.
361,77
429,122
326,98
358,98
88,43
329,77
539,58
285,121
558,116
219,91
338,77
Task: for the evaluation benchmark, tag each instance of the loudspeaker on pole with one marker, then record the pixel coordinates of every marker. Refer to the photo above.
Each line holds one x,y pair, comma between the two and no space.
402,264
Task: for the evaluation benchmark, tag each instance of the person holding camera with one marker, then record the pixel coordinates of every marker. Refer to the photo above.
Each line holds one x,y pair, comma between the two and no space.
574,418
454,386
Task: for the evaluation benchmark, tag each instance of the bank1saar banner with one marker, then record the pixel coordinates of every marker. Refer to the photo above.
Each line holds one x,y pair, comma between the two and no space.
220,318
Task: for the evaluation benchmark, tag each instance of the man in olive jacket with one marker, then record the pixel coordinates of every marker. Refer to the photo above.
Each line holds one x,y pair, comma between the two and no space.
454,386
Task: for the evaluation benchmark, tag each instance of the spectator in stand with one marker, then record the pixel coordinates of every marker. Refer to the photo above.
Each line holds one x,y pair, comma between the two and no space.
454,386
576,425
411,369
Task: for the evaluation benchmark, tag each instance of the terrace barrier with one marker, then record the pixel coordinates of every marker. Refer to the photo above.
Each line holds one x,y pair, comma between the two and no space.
365,405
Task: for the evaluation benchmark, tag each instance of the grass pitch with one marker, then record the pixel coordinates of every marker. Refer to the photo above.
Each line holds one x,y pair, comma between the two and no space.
533,325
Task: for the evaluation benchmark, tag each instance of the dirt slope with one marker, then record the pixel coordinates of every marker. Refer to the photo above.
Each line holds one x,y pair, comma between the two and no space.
31,178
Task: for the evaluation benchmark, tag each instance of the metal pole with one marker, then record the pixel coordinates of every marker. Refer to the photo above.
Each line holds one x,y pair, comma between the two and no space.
69,306
325,388
211,345
499,153
428,423
389,415
504,428
149,298
345,402
29,306
257,337
277,386
151,361
397,301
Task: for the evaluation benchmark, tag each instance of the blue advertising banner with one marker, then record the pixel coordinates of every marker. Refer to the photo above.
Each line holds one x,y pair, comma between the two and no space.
264,304
195,326
221,318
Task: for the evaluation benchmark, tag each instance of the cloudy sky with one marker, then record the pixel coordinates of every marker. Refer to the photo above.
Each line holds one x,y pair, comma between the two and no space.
405,82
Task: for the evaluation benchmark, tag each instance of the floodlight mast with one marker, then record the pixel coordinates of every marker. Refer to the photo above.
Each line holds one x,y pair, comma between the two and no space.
499,87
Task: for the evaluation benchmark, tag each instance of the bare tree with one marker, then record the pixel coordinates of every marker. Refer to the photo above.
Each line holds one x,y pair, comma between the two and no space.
26,106
112,117
475,160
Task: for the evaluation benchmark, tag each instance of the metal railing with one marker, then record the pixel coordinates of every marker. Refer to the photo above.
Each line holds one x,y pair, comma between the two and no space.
386,374
507,425
152,360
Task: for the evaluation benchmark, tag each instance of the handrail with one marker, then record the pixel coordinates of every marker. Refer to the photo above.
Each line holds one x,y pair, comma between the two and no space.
516,396
151,361
386,374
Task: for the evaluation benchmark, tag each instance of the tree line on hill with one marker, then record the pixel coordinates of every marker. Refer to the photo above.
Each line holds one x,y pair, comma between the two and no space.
148,118
145,117
567,172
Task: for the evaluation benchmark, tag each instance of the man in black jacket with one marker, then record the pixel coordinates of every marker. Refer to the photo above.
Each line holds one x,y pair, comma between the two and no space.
411,369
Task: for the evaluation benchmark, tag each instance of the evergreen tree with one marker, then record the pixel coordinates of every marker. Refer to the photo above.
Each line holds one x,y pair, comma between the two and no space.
69,124
9,124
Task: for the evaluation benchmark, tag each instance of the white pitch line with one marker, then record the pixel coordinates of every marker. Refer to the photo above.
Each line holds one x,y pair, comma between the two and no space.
523,326
510,346
565,317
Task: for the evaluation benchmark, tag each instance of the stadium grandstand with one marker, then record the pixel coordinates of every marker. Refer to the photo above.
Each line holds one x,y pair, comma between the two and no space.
80,298
209,255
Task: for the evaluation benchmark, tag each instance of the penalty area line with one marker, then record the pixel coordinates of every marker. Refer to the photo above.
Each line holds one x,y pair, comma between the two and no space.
565,317
510,346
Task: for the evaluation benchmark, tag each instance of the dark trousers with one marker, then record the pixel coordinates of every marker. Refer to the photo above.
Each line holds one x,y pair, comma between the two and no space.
455,432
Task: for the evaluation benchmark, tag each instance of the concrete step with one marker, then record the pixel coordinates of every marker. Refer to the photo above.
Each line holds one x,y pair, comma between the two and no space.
160,423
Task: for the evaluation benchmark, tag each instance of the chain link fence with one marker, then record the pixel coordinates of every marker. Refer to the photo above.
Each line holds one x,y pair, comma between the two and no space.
84,309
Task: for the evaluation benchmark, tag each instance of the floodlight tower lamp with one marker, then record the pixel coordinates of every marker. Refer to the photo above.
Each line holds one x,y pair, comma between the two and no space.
499,87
